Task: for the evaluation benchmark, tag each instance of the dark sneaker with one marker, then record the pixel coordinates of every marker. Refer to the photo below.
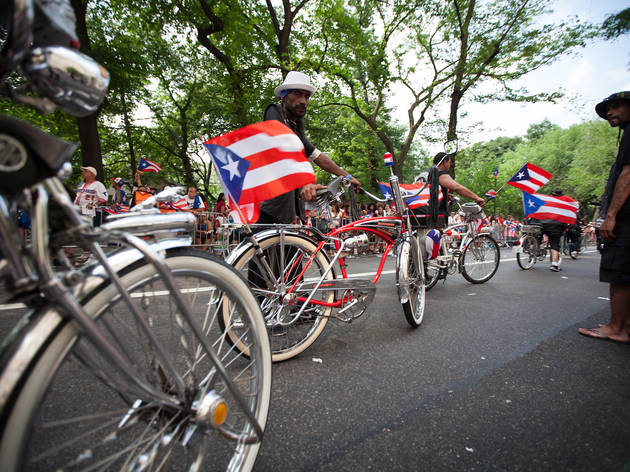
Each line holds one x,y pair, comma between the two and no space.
555,268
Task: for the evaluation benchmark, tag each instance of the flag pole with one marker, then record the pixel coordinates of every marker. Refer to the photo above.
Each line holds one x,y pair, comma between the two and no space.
494,203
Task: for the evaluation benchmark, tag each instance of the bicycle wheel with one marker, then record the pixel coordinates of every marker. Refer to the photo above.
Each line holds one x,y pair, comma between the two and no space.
289,334
431,273
527,257
480,259
74,411
413,276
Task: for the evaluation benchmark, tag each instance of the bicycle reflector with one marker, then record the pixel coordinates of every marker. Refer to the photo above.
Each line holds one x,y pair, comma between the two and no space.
388,158
212,410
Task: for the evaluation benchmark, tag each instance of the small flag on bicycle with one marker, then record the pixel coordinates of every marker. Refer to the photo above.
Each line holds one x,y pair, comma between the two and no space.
416,201
257,163
491,194
146,165
529,178
546,207
388,159
432,243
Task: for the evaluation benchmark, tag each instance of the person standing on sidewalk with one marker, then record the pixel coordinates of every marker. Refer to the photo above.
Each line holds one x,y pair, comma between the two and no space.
615,230
90,194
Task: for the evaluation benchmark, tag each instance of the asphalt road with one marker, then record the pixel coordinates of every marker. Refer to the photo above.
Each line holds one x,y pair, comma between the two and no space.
496,378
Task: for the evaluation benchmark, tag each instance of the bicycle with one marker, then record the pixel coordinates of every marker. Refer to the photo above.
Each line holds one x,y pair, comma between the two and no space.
121,364
530,248
476,256
300,286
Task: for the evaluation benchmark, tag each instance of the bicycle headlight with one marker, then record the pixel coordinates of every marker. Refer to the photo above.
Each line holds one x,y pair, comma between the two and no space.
73,81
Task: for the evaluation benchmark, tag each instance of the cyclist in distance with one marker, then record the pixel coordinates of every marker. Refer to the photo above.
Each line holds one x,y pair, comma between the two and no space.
554,230
295,93
443,161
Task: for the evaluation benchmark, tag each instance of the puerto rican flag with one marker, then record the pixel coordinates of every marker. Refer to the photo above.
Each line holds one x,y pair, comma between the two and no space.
432,243
422,199
512,228
114,210
530,178
546,207
146,165
259,162
181,204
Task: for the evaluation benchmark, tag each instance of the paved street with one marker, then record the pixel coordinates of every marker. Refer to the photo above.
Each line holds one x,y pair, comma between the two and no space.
496,378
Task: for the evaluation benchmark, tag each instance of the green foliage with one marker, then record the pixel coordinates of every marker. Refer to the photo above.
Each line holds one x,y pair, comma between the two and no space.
616,25
186,69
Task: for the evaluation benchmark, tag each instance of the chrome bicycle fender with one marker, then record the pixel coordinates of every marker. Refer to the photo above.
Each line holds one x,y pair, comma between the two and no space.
123,258
402,271
148,225
246,244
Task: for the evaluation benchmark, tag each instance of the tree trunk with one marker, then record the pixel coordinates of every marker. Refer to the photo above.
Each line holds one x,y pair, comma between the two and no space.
132,152
88,126
91,144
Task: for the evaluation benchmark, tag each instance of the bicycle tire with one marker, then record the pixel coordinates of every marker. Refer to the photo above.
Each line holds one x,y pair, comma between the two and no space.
289,335
50,402
414,307
526,259
480,259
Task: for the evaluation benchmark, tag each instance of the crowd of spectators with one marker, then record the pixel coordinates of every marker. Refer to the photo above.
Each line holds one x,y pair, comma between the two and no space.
212,214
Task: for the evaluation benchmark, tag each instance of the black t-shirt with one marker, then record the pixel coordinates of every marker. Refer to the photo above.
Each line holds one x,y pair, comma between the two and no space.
284,208
622,227
443,204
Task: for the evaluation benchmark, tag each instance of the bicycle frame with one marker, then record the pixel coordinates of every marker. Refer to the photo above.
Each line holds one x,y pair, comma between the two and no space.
393,230
449,258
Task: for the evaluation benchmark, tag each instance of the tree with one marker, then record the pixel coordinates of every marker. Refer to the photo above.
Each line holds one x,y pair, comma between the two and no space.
500,42
616,25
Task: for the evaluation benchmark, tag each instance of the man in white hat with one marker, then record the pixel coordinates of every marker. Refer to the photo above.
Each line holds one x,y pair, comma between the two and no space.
294,93
90,194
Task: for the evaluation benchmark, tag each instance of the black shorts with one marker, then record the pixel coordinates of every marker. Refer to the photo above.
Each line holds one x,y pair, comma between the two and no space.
614,267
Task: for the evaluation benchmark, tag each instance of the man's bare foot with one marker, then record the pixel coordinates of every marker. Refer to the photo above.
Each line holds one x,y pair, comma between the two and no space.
607,333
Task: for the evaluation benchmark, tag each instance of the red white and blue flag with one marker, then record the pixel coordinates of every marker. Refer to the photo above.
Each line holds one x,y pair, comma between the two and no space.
530,178
422,199
181,204
491,194
146,165
388,159
259,162
545,207
512,228
432,243
114,210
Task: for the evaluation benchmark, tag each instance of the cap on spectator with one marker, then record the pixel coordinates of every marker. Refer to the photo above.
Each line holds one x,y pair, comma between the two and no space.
119,180
89,169
602,107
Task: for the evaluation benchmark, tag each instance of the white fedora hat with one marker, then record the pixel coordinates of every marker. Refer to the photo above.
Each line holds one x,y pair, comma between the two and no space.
295,80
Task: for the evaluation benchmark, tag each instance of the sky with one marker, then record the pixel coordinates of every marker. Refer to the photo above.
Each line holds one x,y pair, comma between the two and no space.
593,73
